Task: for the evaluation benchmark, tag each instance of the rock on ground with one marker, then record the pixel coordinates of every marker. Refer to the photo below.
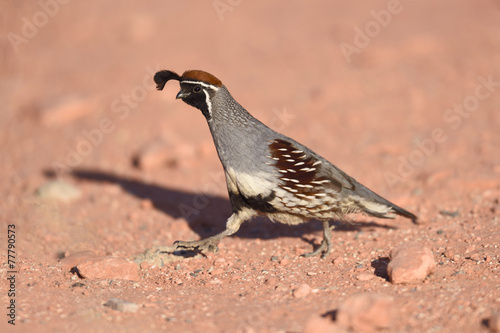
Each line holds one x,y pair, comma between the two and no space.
410,263
302,291
59,190
109,268
365,276
161,152
154,154
74,259
122,305
365,312
67,110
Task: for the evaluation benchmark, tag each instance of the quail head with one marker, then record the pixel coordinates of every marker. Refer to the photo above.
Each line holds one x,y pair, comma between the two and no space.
268,173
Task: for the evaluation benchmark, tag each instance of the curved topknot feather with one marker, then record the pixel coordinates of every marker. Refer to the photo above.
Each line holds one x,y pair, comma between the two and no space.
162,77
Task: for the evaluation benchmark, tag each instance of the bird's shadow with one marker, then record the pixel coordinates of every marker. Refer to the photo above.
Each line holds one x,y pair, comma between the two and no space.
207,214
332,315
380,266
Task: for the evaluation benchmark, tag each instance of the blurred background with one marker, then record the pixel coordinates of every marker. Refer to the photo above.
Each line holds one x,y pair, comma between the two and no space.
402,95
369,85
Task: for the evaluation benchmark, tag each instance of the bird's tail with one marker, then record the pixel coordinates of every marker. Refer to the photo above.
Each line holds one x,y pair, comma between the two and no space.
373,204
403,212
385,210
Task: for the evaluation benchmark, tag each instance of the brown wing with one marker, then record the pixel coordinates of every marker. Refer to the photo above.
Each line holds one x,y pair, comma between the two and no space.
300,172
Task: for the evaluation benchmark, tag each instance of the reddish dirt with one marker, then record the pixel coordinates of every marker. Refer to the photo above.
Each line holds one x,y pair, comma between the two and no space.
82,71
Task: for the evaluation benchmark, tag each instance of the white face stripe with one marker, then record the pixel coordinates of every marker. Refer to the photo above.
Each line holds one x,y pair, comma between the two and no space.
209,104
206,85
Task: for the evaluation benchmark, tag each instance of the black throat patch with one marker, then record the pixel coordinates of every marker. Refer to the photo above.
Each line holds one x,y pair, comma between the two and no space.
198,98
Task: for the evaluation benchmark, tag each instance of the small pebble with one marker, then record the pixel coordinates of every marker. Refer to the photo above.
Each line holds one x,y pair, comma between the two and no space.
271,281
302,291
475,257
448,253
365,276
122,305
154,154
284,261
145,265
78,285
147,204
59,190
449,213
280,287
338,261
216,271
216,281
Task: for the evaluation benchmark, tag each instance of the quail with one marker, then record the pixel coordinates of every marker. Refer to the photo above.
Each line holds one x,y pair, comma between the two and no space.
270,174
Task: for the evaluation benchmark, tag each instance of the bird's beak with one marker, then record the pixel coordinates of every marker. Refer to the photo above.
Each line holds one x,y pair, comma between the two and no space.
181,94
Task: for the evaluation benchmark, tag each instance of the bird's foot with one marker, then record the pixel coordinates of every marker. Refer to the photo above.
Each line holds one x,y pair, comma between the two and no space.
204,245
326,243
159,250
323,249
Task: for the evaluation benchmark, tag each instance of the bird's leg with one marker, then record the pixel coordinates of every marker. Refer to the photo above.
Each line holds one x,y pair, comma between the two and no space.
210,244
326,244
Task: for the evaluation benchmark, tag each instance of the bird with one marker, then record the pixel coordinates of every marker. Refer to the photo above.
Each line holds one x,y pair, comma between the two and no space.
270,174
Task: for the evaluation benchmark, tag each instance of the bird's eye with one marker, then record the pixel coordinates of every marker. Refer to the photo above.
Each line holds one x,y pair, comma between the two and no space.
197,89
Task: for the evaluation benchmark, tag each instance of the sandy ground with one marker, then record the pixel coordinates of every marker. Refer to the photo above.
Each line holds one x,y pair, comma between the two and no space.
404,96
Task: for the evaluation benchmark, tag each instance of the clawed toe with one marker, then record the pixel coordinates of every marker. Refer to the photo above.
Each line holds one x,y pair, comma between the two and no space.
202,246
326,243
323,249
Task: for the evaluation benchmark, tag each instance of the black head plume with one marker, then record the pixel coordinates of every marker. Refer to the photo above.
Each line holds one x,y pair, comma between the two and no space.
162,77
